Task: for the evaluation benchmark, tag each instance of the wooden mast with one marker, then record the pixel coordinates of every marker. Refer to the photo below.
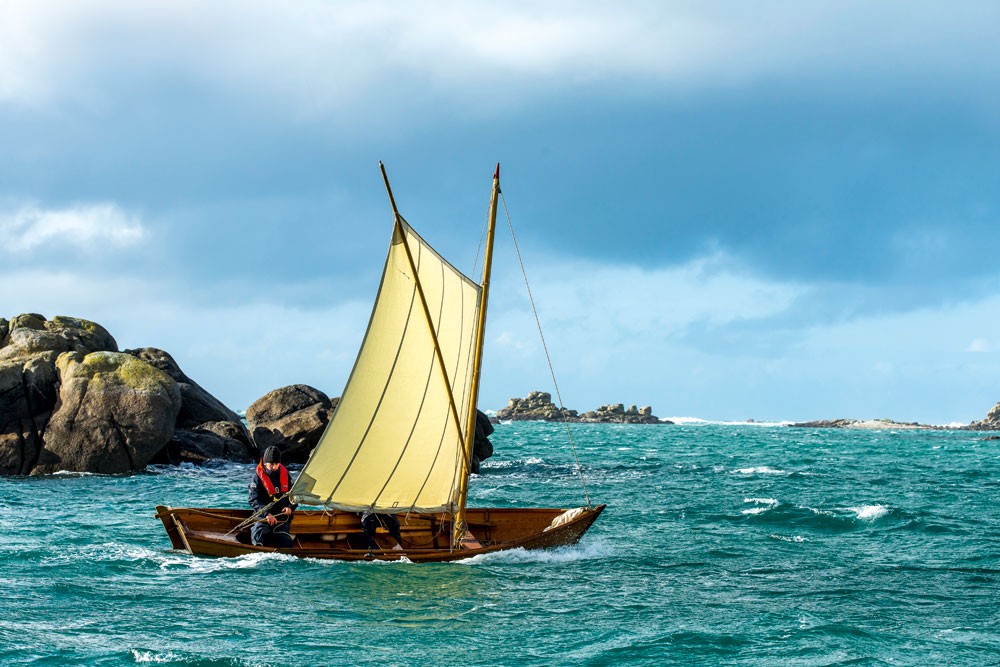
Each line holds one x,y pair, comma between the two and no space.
459,532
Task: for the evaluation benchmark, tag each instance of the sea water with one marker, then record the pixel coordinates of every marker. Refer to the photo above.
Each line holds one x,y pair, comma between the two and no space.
721,545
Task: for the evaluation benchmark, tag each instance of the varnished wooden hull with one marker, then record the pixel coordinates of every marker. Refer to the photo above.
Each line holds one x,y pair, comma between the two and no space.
338,535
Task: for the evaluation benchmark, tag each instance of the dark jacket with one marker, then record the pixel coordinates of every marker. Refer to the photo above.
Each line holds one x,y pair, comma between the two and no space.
259,498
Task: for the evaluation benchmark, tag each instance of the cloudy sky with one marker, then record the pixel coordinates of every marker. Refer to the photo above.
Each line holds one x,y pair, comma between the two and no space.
764,210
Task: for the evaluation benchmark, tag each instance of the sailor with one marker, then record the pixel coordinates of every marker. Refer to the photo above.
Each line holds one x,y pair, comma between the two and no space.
371,522
270,485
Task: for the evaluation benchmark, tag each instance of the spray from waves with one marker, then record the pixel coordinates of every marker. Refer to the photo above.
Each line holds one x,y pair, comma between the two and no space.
200,565
148,657
558,556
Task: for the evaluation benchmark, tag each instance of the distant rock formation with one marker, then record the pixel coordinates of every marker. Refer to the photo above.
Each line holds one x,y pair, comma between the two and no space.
991,423
292,418
617,414
864,424
538,406
69,400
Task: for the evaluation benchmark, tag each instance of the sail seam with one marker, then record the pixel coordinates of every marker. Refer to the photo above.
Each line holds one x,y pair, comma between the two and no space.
378,406
416,419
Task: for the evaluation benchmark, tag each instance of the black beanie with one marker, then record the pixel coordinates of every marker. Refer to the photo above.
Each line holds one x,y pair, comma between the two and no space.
272,455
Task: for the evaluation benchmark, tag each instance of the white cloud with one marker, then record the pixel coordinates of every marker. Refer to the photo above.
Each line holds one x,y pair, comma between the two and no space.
320,56
618,302
979,345
29,227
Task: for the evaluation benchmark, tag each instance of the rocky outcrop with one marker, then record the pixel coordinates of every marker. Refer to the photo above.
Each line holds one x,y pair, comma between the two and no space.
991,423
113,415
538,406
291,418
617,414
29,347
70,401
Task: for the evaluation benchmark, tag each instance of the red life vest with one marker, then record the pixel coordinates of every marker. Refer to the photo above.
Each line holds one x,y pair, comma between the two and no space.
268,484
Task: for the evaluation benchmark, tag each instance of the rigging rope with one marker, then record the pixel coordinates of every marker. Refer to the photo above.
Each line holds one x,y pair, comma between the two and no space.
548,359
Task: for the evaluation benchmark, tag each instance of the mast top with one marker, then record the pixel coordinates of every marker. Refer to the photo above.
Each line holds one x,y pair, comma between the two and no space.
392,200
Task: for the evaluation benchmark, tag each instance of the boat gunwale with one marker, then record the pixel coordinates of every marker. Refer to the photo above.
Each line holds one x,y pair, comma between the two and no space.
194,541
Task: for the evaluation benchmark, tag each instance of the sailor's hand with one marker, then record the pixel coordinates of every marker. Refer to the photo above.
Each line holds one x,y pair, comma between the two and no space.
271,521
287,511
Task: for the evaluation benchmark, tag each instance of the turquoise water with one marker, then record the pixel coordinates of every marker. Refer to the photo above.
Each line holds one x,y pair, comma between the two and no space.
728,545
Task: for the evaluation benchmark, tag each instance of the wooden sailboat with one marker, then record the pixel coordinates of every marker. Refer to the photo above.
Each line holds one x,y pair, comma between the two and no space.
401,439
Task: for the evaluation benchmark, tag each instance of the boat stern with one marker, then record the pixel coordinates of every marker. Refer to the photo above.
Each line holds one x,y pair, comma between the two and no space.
175,531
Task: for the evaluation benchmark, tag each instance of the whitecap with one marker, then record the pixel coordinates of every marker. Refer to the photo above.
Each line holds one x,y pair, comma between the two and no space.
147,657
870,512
795,539
761,470
763,505
496,465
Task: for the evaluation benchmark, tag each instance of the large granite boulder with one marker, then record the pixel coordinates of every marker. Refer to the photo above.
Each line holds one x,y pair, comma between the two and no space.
292,418
31,333
113,415
27,397
207,442
197,405
29,346
104,413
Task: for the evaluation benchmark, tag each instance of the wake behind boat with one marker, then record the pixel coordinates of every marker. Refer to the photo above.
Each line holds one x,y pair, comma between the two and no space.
401,439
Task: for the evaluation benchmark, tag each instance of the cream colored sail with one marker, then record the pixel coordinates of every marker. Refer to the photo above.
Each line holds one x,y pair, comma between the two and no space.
395,442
